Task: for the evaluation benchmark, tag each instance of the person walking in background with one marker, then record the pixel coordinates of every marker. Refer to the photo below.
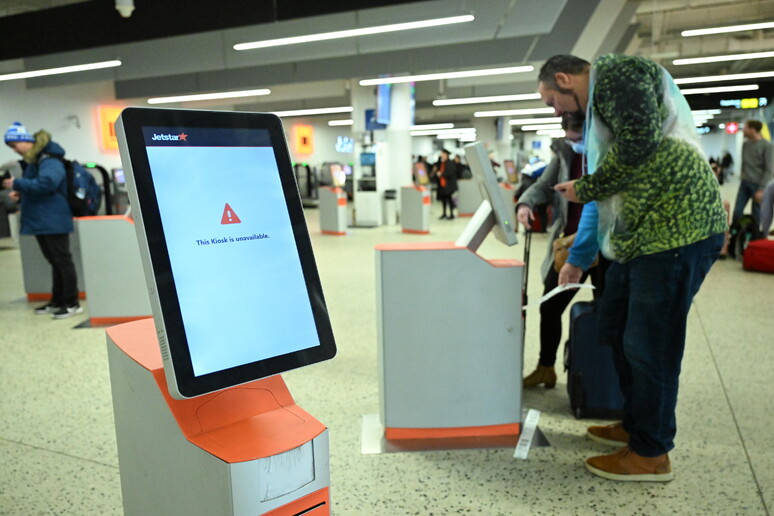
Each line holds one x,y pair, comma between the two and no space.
661,221
757,169
45,212
446,173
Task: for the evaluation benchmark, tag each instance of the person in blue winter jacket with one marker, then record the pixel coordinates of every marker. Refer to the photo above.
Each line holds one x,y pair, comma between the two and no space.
45,212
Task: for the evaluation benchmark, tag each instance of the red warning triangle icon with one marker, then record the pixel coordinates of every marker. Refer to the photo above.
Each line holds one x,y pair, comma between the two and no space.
229,217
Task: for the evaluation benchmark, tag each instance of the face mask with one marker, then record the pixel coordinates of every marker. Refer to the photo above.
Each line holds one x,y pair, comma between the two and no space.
578,147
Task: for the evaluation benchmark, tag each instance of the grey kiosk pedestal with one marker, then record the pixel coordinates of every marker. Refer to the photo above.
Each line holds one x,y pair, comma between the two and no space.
333,211
245,450
449,325
415,209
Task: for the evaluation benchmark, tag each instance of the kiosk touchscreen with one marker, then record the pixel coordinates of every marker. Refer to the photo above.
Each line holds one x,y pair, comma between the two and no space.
234,287
420,174
338,176
493,214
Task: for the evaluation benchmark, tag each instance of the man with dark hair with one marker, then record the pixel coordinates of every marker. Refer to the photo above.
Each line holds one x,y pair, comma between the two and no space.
566,65
757,170
661,221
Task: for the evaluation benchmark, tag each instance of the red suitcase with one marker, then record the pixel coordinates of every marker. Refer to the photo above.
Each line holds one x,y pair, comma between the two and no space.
759,256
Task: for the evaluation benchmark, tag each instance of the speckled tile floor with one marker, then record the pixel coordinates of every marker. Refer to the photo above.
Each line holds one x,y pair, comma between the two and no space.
58,451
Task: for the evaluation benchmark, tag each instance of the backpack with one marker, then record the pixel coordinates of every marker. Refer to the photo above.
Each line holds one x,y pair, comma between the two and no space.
84,195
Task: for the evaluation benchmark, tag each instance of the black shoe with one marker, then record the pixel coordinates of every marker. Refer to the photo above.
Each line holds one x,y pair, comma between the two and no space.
66,311
442,217
450,217
46,309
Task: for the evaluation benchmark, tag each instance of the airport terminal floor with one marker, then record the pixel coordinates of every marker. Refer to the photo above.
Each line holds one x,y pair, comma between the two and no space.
58,447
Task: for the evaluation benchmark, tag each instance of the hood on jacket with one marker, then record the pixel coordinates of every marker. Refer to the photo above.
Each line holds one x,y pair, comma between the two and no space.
43,143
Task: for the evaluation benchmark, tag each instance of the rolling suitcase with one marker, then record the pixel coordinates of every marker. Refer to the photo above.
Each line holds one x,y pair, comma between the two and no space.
759,256
592,380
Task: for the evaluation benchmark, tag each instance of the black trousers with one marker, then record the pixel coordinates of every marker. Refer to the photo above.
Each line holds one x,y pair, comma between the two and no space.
56,250
447,200
551,311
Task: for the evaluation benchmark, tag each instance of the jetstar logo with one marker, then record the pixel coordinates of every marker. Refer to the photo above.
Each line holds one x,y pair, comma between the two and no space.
182,137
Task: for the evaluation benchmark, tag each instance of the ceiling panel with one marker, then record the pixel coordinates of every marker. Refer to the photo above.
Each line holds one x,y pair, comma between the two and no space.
530,17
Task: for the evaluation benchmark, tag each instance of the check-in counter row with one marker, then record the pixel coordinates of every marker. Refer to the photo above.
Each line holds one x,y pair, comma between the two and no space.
107,260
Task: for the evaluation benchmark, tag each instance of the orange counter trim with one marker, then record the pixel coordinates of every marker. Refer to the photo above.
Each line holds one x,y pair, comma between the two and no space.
111,321
46,296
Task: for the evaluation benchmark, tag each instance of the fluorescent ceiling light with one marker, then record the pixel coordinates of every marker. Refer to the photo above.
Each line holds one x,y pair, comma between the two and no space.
444,132
424,127
351,33
528,121
318,111
720,89
60,70
515,112
540,127
551,132
706,112
485,100
728,77
334,123
209,96
715,59
731,28
447,75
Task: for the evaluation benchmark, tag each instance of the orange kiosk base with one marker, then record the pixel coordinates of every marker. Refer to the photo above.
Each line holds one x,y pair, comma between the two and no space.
245,450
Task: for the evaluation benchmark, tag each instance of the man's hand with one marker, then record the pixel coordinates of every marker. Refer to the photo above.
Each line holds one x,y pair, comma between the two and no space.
567,190
524,215
758,196
14,195
569,273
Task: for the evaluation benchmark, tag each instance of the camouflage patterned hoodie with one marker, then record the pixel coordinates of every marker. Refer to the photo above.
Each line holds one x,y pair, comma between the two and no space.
664,190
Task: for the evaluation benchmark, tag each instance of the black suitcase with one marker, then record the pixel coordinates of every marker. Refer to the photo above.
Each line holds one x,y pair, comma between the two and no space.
592,380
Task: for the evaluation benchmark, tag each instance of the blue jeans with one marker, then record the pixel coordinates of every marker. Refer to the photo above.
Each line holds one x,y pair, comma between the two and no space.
642,314
746,193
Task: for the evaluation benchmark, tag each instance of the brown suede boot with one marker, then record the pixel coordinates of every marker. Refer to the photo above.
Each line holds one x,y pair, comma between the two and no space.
613,435
544,375
627,465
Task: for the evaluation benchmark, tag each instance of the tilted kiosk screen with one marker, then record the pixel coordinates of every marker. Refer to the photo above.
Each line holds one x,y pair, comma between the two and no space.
234,287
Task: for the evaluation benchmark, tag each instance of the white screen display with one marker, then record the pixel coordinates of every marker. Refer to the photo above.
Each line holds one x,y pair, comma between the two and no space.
233,256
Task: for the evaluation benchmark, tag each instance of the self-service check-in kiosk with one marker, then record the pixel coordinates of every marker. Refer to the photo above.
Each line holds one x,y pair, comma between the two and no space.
468,197
204,423
415,209
449,328
333,202
112,270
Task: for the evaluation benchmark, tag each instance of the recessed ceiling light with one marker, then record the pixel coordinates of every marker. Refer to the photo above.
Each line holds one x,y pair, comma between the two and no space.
728,77
730,28
485,100
447,75
425,127
543,120
60,70
351,33
715,59
515,112
209,96
720,89
334,123
317,111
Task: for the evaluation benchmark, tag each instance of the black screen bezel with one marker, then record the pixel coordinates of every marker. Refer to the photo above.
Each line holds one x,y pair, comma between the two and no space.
189,385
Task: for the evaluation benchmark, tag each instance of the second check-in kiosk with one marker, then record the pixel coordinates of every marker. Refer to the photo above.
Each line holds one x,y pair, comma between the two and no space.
449,329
